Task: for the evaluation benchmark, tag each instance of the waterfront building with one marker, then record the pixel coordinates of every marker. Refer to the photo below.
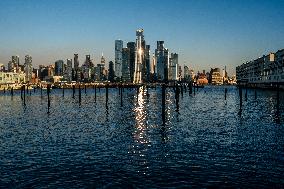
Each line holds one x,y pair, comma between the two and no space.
58,68
118,58
186,76
139,56
68,71
131,47
7,78
76,75
162,61
100,75
263,70
216,77
28,68
111,71
126,65
147,65
173,67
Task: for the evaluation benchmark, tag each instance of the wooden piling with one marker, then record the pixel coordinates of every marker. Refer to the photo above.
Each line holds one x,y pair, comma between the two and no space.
48,98
226,93
24,89
190,88
41,91
85,89
63,90
79,93
4,90
12,92
73,87
121,102
21,92
241,96
95,93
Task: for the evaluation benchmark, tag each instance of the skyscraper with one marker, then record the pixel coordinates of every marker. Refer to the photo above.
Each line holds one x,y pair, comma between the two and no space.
77,73
125,65
139,56
161,61
147,65
28,68
68,71
118,58
173,68
131,47
58,69
111,71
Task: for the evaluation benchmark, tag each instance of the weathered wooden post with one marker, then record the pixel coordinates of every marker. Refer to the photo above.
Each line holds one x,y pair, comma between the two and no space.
181,90
12,92
194,89
21,92
121,103
73,91
48,98
95,93
63,90
80,94
41,91
226,93
241,96
85,89
24,95
190,88
4,90
177,91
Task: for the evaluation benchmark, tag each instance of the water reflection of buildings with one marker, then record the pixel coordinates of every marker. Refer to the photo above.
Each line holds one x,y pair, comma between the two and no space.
140,133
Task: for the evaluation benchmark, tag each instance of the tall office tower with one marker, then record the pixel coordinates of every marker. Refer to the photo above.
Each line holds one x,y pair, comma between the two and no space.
101,69
173,68
28,67
76,75
10,66
16,64
139,56
58,68
118,58
126,65
167,64
147,65
86,67
69,70
160,61
131,47
76,62
111,71
186,73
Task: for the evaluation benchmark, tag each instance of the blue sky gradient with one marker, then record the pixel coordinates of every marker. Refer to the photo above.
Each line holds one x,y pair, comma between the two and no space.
204,33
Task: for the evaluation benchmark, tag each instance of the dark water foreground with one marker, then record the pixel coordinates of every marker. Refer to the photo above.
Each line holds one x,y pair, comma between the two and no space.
205,142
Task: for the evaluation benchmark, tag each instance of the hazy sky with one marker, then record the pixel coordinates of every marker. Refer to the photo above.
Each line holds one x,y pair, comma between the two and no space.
204,33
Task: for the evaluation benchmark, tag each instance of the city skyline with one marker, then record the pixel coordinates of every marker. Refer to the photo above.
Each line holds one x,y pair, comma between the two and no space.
205,34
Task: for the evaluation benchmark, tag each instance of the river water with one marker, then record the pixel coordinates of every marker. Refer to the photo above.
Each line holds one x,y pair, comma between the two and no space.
205,141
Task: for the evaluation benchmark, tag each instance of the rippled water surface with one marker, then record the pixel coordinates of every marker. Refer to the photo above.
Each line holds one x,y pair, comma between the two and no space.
205,141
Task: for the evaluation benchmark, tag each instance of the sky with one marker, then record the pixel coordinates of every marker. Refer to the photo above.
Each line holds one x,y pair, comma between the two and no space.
205,34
